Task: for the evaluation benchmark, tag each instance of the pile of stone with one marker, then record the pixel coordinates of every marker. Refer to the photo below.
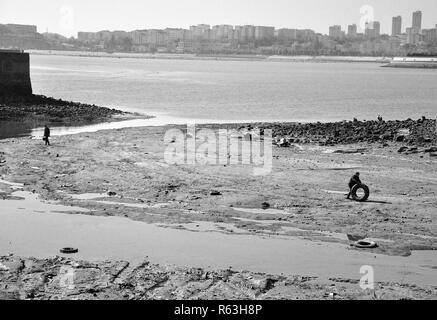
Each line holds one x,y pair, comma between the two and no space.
432,151
37,107
420,132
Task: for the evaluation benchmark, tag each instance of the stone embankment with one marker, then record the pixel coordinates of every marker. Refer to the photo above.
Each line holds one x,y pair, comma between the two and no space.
41,108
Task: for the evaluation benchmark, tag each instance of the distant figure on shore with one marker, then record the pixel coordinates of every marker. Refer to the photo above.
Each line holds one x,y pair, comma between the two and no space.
46,135
380,119
353,182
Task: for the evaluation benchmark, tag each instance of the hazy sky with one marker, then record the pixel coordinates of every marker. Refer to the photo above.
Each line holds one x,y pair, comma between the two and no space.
69,16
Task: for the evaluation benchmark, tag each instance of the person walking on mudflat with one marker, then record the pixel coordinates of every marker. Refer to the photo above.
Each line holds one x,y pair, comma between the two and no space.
353,182
46,135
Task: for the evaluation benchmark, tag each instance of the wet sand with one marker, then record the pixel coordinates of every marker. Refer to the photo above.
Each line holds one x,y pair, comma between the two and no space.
305,192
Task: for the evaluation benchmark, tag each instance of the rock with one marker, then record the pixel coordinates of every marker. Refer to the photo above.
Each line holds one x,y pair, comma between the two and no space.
433,155
351,151
402,149
111,193
265,205
215,193
356,237
400,138
430,150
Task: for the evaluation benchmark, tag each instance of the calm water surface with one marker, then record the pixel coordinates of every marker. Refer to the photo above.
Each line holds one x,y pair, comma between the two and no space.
239,90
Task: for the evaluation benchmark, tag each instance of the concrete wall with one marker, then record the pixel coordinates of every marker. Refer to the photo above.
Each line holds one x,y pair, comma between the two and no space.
14,73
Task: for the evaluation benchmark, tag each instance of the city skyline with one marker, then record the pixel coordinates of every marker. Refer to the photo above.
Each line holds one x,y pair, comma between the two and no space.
68,18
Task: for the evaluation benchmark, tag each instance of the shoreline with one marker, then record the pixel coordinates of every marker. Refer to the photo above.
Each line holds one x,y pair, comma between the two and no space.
419,132
20,115
217,57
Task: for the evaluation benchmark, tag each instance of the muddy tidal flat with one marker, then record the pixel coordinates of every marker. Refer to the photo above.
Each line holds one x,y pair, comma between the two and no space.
146,229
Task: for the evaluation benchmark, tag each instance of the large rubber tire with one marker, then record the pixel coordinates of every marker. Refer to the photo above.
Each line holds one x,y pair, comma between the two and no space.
69,250
365,244
366,192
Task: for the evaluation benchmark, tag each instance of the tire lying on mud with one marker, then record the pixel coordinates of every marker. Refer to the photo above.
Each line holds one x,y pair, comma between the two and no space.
69,250
363,187
365,244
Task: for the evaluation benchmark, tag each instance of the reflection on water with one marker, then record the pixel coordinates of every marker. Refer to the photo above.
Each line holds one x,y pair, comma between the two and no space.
30,228
15,129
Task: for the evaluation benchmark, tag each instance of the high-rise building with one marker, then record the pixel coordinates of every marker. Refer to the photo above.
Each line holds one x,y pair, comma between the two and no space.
352,31
335,32
396,26
373,29
417,20
413,36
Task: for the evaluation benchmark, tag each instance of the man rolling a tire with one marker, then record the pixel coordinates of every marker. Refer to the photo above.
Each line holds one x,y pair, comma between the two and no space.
353,182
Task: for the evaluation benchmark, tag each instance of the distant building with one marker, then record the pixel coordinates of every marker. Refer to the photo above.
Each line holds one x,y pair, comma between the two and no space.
222,32
396,29
287,34
335,32
175,34
119,35
88,37
306,35
21,29
429,35
244,33
264,33
417,20
201,31
373,30
104,35
138,37
352,31
157,38
413,36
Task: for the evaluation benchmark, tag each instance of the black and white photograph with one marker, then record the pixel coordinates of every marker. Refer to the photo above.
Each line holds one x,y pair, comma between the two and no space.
218,155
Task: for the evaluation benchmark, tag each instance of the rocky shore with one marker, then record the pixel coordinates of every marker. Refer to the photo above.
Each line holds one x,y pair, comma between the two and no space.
419,132
40,109
60,278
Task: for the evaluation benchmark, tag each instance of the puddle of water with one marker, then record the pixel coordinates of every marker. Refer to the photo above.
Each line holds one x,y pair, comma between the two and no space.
262,211
12,185
88,196
208,226
257,221
31,204
335,192
94,196
285,227
26,233
130,205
